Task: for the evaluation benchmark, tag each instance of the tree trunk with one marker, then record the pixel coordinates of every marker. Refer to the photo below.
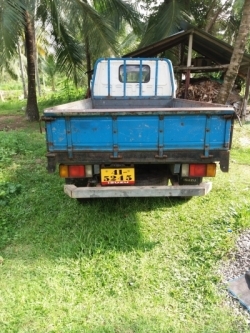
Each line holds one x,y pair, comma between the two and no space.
36,60
1,96
32,112
237,55
212,19
88,60
214,12
22,73
210,15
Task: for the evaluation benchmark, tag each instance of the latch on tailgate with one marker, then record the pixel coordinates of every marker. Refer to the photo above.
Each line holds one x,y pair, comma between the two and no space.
115,139
161,138
115,155
207,138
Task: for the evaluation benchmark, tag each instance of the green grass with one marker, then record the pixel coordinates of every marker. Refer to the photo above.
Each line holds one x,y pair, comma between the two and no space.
13,106
117,265
241,144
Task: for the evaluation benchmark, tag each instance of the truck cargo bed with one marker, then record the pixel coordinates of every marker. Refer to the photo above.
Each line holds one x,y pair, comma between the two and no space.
112,105
188,132
133,138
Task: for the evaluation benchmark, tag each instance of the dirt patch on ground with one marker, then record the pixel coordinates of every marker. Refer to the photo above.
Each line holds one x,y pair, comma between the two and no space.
8,123
245,142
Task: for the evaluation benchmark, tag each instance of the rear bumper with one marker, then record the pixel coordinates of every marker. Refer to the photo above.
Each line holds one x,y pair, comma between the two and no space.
137,191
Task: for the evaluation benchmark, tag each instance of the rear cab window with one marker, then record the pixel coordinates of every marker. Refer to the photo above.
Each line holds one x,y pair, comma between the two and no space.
134,73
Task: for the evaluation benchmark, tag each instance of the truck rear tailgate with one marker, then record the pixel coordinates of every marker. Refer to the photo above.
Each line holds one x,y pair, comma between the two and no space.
120,133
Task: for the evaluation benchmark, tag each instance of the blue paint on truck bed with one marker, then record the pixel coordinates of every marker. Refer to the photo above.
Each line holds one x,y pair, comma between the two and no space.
139,132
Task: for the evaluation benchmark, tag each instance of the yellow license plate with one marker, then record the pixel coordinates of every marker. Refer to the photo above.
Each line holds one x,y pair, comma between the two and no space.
118,176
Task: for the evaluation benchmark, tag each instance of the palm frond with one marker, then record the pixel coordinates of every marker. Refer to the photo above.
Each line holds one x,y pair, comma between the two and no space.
11,71
96,28
118,11
129,43
69,52
11,27
164,22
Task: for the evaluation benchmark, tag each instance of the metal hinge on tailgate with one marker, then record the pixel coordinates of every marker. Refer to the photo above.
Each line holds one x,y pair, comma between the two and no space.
46,119
69,137
233,116
229,116
43,118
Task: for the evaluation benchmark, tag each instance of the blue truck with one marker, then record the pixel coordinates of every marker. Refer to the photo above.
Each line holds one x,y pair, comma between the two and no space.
133,138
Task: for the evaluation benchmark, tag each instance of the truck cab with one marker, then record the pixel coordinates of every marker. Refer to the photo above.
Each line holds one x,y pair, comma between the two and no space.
140,78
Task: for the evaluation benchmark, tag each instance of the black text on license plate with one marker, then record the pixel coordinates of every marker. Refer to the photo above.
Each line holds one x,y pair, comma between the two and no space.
118,176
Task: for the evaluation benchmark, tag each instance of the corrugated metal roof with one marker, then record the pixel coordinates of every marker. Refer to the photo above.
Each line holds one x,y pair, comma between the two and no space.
203,43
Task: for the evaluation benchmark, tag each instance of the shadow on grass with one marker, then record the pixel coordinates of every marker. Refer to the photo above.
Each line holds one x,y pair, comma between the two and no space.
45,221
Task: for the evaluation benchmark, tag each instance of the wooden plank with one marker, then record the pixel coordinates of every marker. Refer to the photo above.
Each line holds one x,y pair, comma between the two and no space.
244,103
201,68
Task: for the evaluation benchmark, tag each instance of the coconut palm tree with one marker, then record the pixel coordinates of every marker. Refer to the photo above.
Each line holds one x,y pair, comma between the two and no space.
20,56
11,20
237,55
167,17
98,24
17,19
49,67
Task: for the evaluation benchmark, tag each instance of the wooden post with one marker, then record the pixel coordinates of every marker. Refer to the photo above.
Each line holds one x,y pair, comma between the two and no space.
190,48
189,59
245,100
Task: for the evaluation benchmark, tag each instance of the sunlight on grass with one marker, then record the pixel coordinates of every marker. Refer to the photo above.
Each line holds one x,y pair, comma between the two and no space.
15,106
12,107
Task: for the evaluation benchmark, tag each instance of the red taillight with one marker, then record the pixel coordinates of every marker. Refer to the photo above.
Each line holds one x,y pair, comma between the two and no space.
76,171
197,170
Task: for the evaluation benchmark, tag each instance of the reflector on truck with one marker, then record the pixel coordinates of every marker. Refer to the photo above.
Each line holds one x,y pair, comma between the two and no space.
63,171
198,170
211,170
76,171
72,171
